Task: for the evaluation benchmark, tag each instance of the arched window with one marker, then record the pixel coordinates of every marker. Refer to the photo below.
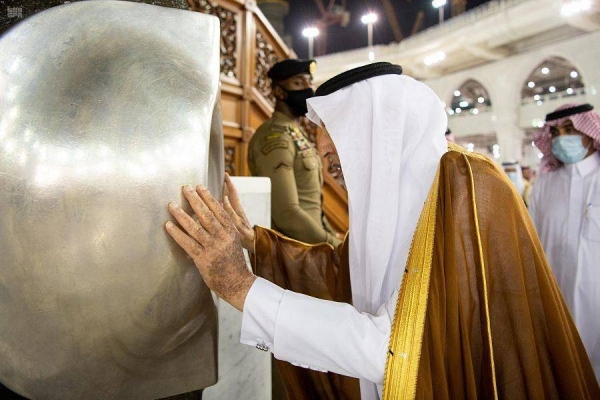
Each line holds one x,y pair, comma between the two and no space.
471,98
554,78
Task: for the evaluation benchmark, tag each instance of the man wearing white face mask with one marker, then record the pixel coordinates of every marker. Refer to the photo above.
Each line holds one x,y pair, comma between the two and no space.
451,295
565,208
515,174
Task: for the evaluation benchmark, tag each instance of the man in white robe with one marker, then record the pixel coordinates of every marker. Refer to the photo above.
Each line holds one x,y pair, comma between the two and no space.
381,234
387,129
515,174
565,208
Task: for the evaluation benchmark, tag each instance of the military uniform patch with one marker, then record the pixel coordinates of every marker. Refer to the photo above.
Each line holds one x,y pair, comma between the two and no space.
301,142
275,144
278,128
272,136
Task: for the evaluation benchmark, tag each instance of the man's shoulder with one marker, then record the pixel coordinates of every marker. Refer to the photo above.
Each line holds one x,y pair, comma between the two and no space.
482,181
460,162
271,135
457,156
278,123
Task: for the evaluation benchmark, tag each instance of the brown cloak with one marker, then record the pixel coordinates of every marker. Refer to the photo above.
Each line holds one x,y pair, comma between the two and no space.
479,313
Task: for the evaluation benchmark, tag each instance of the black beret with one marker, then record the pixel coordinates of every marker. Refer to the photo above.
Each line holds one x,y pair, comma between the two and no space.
287,68
356,75
568,112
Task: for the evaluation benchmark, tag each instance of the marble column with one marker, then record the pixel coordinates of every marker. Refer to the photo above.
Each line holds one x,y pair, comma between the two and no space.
244,372
510,138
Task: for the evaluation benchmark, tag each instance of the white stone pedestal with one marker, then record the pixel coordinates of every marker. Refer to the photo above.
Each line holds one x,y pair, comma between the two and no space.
244,372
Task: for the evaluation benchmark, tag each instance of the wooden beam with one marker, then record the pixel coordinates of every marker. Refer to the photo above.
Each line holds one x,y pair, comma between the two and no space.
390,14
321,7
418,22
458,7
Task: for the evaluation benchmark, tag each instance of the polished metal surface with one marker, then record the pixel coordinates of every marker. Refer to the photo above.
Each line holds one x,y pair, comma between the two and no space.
105,111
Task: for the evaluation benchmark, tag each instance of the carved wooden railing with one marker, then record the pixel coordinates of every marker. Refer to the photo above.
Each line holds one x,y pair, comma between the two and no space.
249,47
335,204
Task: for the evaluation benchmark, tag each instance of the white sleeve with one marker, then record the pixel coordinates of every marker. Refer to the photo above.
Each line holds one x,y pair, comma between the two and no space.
318,334
260,314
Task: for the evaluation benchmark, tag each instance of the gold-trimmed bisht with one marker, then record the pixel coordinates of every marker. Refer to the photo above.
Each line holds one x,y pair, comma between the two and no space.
406,338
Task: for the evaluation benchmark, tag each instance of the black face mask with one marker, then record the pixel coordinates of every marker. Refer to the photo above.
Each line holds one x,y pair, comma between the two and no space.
296,100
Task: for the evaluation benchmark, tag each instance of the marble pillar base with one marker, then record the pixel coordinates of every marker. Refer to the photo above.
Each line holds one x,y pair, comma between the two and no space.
244,372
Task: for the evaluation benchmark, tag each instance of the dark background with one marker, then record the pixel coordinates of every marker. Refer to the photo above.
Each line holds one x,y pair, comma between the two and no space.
304,12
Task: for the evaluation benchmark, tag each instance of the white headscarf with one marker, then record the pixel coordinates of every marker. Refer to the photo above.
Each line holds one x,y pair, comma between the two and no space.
389,133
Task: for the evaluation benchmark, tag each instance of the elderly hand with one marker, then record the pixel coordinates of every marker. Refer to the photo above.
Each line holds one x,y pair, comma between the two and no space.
233,206
214,244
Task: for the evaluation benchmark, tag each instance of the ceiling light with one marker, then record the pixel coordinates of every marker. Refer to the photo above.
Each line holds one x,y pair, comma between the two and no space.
531,85
369,18
536,123
545,70
552,89
480,100
456,93
435,58
575,7
574,74
310,32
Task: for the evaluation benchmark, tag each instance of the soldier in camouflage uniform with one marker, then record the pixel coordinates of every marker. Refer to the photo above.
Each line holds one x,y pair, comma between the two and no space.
281,151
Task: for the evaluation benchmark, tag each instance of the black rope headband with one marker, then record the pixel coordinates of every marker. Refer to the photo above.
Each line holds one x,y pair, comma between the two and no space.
568,112
356,75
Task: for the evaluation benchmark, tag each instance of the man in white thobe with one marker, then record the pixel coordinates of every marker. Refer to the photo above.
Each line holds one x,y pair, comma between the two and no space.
565,208
387,130
407,144
515,174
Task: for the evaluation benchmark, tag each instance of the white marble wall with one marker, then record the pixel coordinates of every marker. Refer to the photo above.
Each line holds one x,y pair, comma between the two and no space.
498,44
244,372
504,80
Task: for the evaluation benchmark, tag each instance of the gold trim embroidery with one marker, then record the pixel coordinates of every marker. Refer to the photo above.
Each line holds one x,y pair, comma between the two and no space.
406,338
404,352
483,277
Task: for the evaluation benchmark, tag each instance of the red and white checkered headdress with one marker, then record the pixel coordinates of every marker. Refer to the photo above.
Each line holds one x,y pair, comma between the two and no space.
584,120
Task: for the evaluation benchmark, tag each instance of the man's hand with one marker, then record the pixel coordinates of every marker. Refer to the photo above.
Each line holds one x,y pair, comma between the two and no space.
214,244
233,207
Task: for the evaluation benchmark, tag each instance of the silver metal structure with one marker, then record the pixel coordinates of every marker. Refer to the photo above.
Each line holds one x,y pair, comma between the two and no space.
106,109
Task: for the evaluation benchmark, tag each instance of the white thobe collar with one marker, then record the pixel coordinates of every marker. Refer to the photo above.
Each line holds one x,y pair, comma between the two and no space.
584,166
